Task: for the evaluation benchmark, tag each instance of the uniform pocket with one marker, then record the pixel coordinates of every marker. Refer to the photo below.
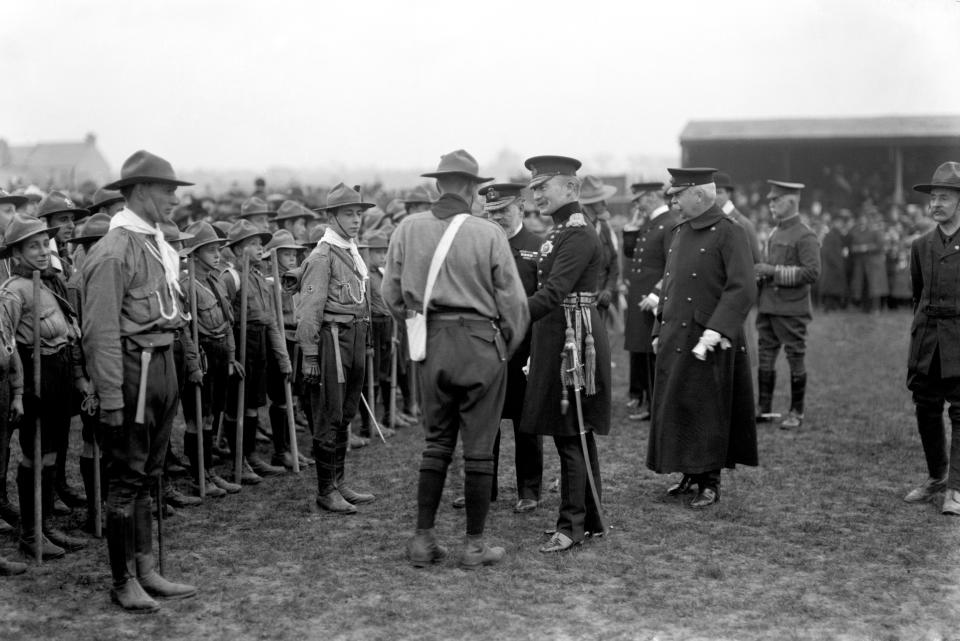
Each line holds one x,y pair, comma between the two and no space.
141,304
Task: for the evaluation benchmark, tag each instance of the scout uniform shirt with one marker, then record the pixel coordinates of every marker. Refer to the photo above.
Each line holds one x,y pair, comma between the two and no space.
935,271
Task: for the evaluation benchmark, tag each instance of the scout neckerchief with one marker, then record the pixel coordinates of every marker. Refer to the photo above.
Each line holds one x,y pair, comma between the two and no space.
336,240
164,253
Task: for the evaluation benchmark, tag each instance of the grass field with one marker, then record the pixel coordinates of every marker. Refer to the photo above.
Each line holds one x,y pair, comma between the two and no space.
815,543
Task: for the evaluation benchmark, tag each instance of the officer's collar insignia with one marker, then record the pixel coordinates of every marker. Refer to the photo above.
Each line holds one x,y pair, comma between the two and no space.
546,248
577,220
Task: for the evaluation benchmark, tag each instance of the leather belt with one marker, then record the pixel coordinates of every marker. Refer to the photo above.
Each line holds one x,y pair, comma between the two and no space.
941,311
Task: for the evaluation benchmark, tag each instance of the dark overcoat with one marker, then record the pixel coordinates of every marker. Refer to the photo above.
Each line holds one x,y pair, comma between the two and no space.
570,260
833,274
645,251
703,413
935,272
525,246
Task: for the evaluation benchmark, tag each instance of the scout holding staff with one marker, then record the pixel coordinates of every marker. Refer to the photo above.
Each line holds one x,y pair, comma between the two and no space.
131,315
264,343
61,369
216,343
332,333
574,404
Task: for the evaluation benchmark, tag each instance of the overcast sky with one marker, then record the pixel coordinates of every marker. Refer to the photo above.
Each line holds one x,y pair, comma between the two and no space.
232,84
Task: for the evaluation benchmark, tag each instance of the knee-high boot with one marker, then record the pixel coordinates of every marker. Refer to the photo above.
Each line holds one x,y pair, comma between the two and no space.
798,389
766,382
257,464
121,540
328,497
348,493
147,575
28,532
86,473
280,435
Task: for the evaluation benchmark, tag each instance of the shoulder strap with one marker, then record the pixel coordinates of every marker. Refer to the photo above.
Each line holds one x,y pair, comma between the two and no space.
440,255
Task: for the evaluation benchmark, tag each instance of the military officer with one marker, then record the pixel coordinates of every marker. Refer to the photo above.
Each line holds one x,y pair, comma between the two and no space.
593,199
646,240
703,417
933,366
130,317
571,261
790,265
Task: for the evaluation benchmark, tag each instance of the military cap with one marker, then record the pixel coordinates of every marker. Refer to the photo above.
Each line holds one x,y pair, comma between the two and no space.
500,195
291,210
16,200
104,198
255,206
684,177
282,239
244,229
458,162
144,167
59,203
201,234
723,180
783,188
344,196
420,194
376,239
93,230
543,168
947,176
21,228
593,190
643,187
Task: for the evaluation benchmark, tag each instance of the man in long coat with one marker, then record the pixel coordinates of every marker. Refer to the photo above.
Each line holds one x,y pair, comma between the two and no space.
703,418
570,262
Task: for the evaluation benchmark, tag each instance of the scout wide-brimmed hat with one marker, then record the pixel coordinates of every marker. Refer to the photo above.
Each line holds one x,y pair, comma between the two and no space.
12,199
244,229
458,162
291,210
421,194
343,196
93,230
144,167
947,176
104,198
202,234
282,239
593,190
374,240
255,206
20,229
172,233
59,203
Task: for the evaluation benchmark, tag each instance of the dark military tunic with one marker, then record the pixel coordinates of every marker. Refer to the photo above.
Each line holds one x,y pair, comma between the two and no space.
703,413
646,252
570,261
795,253
935,271
525,246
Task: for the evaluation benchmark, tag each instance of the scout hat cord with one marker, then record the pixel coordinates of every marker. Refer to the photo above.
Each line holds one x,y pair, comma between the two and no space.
417,324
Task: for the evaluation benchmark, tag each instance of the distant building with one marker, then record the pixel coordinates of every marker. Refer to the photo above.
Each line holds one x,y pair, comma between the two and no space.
65,165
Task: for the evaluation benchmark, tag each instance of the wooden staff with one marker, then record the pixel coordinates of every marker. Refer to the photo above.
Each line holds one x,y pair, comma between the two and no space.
197,392
241,391
394,355
37,426
287,389
371,395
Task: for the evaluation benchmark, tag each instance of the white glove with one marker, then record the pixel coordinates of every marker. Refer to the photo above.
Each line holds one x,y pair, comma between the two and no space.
650,302
707,343
526,368
655,343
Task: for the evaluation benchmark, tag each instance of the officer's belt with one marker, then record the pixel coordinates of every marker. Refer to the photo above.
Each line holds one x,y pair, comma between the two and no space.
458,316
941,311
580,299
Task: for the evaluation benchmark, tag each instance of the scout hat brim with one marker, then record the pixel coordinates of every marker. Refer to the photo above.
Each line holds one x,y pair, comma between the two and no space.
6,250
606,191
14,199
136,180
263,235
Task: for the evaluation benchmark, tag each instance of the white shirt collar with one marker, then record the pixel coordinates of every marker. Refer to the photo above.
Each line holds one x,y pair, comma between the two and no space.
662,209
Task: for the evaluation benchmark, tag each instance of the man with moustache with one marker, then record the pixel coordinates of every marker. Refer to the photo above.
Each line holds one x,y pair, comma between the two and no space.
703,417
933,366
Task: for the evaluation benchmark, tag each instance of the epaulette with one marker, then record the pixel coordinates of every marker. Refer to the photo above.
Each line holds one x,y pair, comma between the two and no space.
577,220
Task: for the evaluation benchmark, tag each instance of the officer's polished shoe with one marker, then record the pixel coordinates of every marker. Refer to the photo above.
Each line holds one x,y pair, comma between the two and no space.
262,468
477,553
926,491
705,498
224,484
11,568
423,549
951,503
558,543
459,503
333,501
525,505
353,497
131,597
685,486
792,421
155,585
176,498
62,539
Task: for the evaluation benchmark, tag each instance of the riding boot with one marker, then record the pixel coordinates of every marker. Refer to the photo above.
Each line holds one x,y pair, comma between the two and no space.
798,388
67,494
257,464
328,497
86,473
121,535
28,533
56,536
766,382
279,432
149,578
8,511
348,493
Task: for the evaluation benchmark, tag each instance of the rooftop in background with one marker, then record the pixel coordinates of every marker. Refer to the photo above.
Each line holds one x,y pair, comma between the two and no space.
901,128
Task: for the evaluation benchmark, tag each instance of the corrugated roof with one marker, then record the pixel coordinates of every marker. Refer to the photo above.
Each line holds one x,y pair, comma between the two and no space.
881,127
